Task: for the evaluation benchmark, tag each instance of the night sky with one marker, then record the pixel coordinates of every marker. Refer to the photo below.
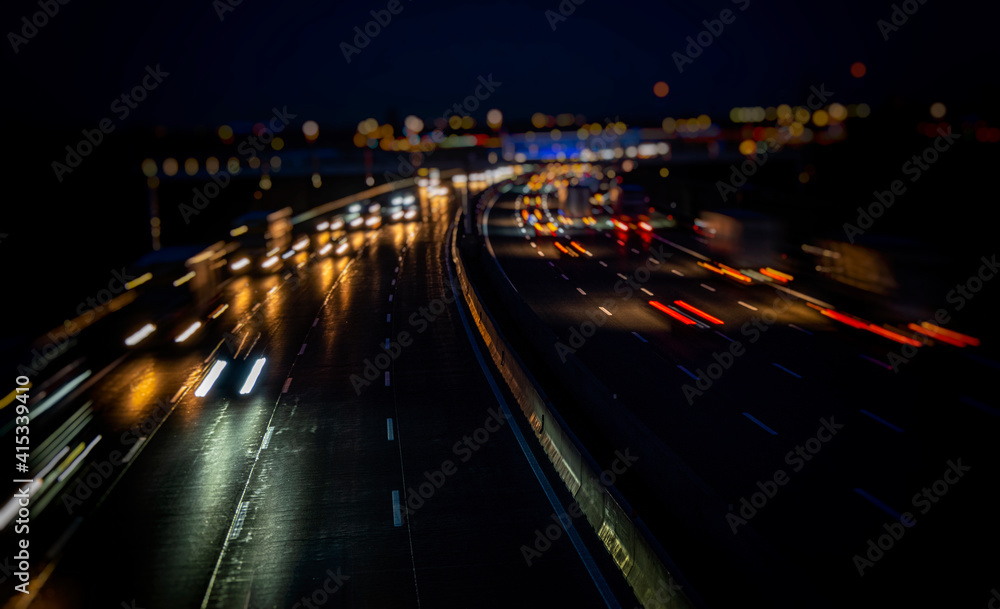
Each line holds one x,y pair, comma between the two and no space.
602,59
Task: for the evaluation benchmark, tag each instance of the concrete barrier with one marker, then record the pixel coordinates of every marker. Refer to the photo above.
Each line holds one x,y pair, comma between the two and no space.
746,562
646,566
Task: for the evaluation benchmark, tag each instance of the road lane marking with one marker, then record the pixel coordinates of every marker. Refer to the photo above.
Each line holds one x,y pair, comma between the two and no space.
800,329
303,349
397,518
787,370
602,263
688,372
564,276
390,297
708,287
386,343
622,276
875,361
397,270
724,336
581,291
676,272
654,260
393,282
635,251
977,404
386,378
646,291
288,383
879,503
607,312
388,317
636,334
764,427
388,428
743,304
241,515
315,321
267,437
135,448
541,253
882,421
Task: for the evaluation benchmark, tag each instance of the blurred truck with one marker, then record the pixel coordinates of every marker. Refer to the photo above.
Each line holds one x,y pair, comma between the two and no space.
745,239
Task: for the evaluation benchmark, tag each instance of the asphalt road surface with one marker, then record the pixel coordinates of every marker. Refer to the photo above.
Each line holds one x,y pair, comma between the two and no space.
404,488
789,390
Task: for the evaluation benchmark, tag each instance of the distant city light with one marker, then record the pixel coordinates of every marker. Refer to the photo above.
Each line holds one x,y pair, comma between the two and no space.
310,129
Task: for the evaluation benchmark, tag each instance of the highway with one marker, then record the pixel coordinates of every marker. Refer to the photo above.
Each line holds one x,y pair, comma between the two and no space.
314,489
371,462
783,388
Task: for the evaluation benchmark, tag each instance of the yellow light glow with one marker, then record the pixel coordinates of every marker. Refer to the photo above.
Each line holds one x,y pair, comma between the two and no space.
186,278
310,129
141,279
